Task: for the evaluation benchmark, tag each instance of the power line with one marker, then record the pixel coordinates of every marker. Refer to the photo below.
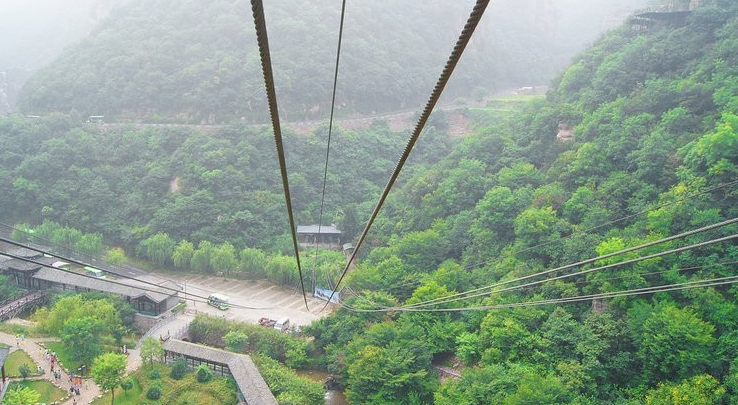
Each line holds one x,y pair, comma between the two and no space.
453,59
266,66
330,132
684,269
72,251
201,298
583,262
535,283
587,230
640,291
443,300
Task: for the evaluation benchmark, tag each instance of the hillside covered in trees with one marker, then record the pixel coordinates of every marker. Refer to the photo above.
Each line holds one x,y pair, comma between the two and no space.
655,125
196,61
636,141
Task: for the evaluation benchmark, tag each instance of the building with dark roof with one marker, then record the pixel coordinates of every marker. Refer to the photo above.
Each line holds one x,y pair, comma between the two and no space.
252,388
329,236
146,299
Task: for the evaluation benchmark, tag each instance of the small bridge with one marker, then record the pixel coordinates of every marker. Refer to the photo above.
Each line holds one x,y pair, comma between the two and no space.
13,308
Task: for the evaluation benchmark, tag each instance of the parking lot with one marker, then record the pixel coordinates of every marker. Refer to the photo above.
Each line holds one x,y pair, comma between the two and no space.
267,299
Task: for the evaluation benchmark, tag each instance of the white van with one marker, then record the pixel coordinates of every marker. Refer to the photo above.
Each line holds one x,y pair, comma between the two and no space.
282,325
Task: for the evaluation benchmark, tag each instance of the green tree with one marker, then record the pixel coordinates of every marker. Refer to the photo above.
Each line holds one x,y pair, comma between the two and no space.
115,256
223,258
21,396
126,385
253,261
201,257
151,349
203,373
675,343
90,243
107,372
182,255
179,369
24,370
82,337
158,248
236,341
699,390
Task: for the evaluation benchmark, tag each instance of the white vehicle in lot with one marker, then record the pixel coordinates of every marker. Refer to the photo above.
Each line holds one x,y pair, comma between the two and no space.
282,325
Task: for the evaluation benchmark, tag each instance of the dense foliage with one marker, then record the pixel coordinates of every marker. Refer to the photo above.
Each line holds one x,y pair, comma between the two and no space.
276,354
88,324
197,61
654,115
197,186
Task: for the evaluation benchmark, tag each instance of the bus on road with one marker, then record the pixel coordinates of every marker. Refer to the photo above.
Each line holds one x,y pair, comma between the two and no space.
219,301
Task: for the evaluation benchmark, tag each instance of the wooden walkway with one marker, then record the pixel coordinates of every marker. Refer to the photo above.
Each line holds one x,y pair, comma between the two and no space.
13,308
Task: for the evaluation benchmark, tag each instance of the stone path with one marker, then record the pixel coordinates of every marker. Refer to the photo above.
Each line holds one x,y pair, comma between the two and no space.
89,390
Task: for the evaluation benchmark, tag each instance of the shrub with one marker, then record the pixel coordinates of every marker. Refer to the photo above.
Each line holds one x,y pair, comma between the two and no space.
179,369
154,374
24,370
126,384
154,392
204,373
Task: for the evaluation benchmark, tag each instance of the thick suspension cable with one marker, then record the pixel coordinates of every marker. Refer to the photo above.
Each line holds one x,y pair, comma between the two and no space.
330,132
453,60
257,8
581,263
201,299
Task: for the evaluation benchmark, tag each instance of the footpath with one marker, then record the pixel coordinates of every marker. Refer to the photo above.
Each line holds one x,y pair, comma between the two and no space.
89,390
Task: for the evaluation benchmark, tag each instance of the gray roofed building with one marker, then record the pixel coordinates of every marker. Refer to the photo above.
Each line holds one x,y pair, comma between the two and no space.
313,229
250,383
129,288
19,251
25,266
145,298
329,236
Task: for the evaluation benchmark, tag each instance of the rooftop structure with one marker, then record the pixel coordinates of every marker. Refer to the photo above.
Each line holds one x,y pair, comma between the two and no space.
145,298
329,236
251,385
137,293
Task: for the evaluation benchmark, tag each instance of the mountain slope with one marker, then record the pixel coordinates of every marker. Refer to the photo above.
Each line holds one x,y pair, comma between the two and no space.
196,60
654,120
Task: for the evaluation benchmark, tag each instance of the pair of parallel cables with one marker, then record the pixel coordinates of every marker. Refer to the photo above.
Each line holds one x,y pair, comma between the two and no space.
263,42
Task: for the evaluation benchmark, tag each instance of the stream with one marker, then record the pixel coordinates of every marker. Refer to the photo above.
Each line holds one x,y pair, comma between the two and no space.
332,397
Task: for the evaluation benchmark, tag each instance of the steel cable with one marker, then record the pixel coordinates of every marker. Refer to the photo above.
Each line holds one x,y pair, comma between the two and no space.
257,8
461,43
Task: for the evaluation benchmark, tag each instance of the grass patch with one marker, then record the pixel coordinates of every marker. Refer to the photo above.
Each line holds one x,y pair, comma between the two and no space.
3,345
219,390
16,359
49,392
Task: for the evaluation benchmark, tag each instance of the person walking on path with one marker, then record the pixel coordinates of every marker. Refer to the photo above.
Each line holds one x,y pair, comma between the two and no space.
36,352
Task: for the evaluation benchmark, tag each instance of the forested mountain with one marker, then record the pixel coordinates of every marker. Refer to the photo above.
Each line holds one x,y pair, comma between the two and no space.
642,127
196,60
654,119
219,185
